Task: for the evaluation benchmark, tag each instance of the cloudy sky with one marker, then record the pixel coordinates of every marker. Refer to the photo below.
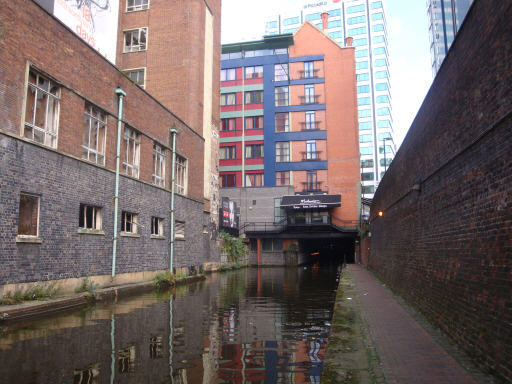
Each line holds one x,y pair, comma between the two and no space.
408,47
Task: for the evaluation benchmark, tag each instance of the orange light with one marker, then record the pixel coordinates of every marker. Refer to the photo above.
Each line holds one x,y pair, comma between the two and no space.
381,213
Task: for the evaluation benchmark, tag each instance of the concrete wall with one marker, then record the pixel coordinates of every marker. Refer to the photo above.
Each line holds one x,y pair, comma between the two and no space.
448,248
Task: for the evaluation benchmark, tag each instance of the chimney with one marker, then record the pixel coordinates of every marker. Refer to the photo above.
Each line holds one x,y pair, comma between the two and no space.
325,18
348,41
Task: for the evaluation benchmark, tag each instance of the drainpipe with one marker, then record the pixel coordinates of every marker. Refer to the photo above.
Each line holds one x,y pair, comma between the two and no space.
121,94
243,126
174,131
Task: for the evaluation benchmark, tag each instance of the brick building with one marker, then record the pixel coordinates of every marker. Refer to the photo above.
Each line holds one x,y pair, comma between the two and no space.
58,136
289,118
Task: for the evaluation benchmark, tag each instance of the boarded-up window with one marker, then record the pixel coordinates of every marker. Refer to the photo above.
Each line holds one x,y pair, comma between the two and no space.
179,230
29,215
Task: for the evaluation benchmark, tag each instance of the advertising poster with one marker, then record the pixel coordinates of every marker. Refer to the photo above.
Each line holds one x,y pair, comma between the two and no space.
95,21
228,218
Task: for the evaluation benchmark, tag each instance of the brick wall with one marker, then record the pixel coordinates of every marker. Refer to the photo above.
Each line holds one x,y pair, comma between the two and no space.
448,248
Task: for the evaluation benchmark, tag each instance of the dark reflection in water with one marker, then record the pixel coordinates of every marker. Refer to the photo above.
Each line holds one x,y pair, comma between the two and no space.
251,326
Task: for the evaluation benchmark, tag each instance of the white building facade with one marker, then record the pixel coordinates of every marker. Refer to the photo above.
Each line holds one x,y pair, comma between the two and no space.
365,22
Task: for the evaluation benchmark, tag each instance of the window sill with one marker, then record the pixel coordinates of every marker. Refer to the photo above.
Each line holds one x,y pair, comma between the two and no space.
129,234
28,239
91,232
158,237
179,239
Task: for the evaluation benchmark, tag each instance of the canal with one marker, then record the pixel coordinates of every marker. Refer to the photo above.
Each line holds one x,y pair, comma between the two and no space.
267,325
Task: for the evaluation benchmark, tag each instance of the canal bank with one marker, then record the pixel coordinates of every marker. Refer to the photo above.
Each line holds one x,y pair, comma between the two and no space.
377,338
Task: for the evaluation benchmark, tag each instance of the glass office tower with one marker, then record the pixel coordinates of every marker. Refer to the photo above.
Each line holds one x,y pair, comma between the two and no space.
365,22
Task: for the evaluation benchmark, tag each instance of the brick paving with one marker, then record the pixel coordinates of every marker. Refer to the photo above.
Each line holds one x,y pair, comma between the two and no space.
408,353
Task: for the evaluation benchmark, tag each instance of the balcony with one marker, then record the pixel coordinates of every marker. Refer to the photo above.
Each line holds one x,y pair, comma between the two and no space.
309,99
310,74
309,187
310,125
311,155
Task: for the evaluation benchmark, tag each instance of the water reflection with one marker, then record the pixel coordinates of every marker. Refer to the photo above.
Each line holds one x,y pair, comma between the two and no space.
250,326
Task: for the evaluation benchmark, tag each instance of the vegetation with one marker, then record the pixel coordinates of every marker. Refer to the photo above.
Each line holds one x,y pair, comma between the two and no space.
292,248
86,286
227,267
36,292
233,247
164,280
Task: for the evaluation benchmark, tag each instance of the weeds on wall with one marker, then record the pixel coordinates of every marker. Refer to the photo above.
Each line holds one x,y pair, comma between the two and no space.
36,292
233,247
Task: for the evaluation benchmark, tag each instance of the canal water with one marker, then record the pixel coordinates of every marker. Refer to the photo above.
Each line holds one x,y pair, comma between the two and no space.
267,325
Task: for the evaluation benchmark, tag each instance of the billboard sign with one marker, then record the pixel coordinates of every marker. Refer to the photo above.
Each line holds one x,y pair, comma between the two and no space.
229,218
95,21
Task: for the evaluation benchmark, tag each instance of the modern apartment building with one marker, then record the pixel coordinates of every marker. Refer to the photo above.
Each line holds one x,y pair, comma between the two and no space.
365,22
289,118
445,18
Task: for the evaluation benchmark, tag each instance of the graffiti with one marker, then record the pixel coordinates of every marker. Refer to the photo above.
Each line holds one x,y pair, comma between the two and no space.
89,8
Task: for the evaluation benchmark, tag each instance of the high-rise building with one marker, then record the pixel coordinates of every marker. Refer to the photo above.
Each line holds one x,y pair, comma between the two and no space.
445,18
365,22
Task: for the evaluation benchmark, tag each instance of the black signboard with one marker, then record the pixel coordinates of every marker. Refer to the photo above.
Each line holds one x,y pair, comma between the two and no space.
228,217
310,201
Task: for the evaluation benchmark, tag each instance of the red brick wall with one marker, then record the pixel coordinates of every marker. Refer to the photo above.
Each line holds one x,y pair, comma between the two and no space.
448,248
84,75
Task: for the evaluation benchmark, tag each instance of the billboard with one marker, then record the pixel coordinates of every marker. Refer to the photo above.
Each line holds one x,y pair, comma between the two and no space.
228,216
95,21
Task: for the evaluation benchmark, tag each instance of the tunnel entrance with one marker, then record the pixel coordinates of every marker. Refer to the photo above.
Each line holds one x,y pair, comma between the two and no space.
337,250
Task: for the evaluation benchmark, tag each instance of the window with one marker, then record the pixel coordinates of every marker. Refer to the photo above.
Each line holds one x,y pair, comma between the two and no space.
355,8
379,51
281,96
334,24
367,176
361,53
94,135
387,162
313,16
254,72
368,189
179,230
228,74
271,24
363,101
157,226
377,4
135,40
253,97
366,151
42,110
90,217
383,111
281,51
359,42
271,245
228,153
356,31
365,138
282,122
377,16
362,65
356,20
227,99
335,34
363,89
388,149
279,213
158,166
138,76
382,99
227,181
378,39
335,12
311,181
228,124
254,151
362,77
380,63
290,30
381,74
283,178
309,94
381,86
254,122
311,153
180,180
310,120
378,27
291,20
309,70
282,151
136,5
366,163
254,179
129,222
365,125
131,152
383,124
281,72
364,113
384,135
28,219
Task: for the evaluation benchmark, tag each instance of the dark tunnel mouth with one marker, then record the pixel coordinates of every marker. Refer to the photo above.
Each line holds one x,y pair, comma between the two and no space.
335,250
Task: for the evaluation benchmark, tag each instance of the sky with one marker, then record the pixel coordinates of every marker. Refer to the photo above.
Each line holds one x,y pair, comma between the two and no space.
409,55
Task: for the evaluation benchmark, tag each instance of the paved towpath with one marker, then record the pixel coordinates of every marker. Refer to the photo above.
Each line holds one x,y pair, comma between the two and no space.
408,353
